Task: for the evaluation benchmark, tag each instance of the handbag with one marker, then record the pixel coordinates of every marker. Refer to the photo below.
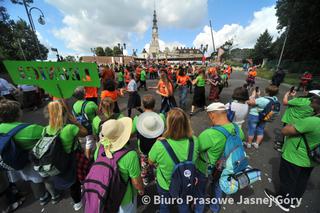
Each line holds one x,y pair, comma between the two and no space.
314,154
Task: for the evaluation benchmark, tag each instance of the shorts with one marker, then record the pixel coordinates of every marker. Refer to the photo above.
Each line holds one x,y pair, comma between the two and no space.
255,127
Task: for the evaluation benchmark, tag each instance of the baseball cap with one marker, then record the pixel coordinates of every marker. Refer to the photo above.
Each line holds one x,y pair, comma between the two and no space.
217,106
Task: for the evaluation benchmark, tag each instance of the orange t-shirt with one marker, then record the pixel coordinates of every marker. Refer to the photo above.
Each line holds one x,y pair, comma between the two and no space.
91,92
183,79
162,88
253,73
110,94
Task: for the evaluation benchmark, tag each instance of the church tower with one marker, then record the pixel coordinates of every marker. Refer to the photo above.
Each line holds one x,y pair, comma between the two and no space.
154,48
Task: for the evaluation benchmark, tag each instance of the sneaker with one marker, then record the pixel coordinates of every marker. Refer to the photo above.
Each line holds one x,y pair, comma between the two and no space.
55,199
255,145
45,199
248,145
273,197
77,206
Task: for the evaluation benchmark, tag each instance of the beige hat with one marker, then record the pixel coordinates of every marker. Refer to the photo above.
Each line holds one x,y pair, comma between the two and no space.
115,134
150,125
216,106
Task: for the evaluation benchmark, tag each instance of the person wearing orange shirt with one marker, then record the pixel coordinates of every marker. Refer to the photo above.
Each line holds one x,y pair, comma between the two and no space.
109,90
91,92
182,82
252,73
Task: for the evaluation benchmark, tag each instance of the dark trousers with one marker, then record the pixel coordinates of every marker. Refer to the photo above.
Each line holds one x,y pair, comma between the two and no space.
293,179
143,84
75,192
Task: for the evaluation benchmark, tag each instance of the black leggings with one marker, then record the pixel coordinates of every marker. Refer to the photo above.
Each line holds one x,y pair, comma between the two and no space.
75,192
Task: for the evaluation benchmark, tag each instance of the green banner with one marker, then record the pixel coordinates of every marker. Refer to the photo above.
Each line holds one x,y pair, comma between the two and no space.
59,79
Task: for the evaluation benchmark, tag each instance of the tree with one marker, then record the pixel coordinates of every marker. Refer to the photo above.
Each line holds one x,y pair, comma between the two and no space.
262,48
108,51
99,51
303,17
70,58
117,51
227,47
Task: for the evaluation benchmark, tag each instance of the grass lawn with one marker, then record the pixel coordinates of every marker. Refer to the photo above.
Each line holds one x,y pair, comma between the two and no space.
291,78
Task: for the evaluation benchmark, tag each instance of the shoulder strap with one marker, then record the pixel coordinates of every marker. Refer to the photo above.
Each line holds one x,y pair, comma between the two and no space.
83,107
170,151
191,148
306,143
222,130
15,130
120,153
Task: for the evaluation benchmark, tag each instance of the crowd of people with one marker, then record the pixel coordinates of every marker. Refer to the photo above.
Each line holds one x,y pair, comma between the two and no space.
105,158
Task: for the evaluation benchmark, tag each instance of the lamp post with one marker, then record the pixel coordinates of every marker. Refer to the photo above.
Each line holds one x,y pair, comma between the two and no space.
134,52
203,48
122,47
56,50
41,21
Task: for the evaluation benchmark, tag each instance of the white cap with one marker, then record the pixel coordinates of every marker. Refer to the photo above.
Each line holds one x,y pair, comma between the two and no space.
216,106
315,92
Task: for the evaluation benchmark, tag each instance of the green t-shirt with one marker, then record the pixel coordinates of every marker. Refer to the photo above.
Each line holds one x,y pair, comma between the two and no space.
129,166
96,122
201,82
90,109
26,138
68,135
120,77
163,161
211,146
294,149
298,108
143,75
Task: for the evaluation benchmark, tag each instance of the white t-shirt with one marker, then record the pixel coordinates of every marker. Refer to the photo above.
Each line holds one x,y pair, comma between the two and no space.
241,111
132,86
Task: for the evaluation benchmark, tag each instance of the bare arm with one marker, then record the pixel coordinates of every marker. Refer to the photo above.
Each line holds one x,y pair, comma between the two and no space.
285,99
289,130
137,183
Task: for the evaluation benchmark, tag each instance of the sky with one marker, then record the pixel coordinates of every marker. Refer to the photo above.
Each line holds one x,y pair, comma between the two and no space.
75,26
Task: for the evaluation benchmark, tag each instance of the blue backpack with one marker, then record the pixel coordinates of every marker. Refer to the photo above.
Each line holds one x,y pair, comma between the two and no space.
82,118
270,111
12,157
183,178
230,114
234,158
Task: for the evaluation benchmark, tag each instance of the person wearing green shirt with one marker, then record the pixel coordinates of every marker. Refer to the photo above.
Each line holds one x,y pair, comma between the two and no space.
114,137
295,164
120,78
178,135
59,115
90,110
199,97
25,139
143,83
211,148
297,108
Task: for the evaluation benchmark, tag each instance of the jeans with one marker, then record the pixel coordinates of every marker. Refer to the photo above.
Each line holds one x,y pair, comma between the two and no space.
201,192
183,90
164,207
215,207
255,127
293,179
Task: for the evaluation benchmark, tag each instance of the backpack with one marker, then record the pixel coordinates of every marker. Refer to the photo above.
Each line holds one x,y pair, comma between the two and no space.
183,178
230,113
103,188
236,172
12,157
48,156
82,118
270,111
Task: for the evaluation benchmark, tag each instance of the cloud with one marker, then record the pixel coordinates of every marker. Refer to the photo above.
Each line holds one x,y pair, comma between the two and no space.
164,44
93,23
243,36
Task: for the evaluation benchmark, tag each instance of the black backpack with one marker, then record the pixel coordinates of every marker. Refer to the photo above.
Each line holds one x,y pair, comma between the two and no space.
82,118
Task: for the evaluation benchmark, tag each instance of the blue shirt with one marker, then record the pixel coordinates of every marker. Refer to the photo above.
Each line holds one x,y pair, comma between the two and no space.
261,103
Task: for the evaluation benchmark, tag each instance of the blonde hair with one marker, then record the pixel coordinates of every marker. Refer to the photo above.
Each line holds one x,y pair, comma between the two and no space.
56,115
106,107
178,125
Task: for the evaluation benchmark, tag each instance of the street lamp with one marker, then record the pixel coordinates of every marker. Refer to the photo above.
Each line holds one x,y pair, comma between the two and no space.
56,50
203,48
134,52
41,21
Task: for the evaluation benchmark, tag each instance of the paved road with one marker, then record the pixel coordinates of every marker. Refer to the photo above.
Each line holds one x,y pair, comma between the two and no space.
265,158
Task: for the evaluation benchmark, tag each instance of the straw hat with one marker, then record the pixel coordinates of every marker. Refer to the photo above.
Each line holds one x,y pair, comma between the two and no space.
115,134
150,125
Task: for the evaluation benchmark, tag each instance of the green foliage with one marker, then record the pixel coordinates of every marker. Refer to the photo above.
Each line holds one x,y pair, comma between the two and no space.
227,47
117,51
70,58
108,51
233,63
99,51
238,53
291,78
263,47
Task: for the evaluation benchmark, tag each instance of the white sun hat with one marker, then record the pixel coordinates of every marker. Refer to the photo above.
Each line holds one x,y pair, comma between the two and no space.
150,125
315,92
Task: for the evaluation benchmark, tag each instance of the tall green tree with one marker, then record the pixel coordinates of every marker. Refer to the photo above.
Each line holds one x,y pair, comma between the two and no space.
227,47
70,58
108,51
262,48
99,51
303,17
117,51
